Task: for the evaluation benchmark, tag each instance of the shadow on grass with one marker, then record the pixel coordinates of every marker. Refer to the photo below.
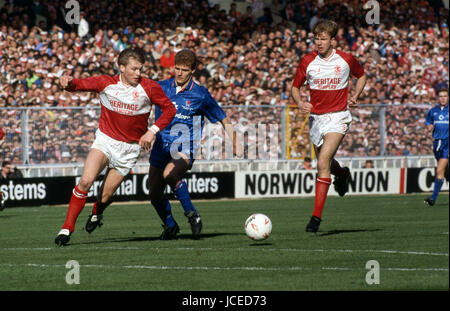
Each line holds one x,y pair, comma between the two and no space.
332,232
261,244
179,237
152,238
7,216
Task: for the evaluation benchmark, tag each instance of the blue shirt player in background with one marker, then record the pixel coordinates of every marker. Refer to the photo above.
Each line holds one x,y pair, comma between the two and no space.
176,146
437,120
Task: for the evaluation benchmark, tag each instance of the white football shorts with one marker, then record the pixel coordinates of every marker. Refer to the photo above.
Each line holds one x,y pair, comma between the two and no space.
122,156
333,122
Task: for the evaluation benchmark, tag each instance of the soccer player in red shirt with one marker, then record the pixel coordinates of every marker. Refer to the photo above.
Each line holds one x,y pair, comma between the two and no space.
126,102
327,72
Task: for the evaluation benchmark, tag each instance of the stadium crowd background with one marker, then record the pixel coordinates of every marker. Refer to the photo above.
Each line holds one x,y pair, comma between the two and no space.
247,59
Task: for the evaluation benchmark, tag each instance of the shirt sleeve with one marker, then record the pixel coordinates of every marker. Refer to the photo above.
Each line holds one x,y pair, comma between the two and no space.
211,109
429,119
159,98
91,84
356,69
300,75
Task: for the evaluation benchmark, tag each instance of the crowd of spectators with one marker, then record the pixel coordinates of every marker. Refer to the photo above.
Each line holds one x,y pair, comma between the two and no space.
247,59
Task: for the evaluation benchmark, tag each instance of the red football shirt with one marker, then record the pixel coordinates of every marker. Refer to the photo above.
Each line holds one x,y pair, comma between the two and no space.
327,79
125,109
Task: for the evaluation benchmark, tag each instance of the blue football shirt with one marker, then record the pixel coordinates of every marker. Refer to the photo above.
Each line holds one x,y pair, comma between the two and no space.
193,104
438,116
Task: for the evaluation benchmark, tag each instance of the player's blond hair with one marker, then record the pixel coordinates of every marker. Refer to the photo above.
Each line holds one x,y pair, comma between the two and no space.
327,26
136,53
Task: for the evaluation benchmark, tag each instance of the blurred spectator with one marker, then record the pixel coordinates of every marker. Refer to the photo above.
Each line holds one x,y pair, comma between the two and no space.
368,164
83,26
167,59
10,171
307,164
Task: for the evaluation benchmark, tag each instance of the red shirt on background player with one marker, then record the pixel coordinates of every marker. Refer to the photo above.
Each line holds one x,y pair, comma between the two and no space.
126,102
327,71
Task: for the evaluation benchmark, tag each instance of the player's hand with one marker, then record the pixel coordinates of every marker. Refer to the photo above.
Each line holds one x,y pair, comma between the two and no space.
353,101
146,141
64,81
305,107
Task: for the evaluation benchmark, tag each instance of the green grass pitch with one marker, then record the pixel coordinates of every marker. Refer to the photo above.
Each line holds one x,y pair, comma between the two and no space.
408,239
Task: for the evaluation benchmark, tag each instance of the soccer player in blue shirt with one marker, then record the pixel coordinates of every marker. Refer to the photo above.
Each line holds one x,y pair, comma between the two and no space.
437,120
176,147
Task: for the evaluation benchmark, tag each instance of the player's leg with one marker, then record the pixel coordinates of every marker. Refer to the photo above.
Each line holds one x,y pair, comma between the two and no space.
159,158
325,156
441,150
160,202
173,174
104,198
439,181
95,162
111,182
342,177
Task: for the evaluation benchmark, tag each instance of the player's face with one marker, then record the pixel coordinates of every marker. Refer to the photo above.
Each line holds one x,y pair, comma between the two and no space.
131,73
323,44
183,74
443,98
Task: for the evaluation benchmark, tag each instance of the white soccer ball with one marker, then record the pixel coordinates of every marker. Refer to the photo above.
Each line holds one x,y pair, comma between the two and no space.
258,227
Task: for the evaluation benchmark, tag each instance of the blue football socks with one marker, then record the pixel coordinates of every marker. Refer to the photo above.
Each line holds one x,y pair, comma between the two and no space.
182,193
437,187
164,211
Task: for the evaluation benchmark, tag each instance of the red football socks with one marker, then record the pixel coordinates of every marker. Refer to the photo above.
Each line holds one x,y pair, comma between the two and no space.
99,207
322,185
95,209
76,205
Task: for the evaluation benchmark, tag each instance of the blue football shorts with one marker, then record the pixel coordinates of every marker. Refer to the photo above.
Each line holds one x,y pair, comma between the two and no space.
160,155
440,149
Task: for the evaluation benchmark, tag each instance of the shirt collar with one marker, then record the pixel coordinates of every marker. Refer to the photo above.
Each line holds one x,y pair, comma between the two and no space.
333,51
120,79
188,87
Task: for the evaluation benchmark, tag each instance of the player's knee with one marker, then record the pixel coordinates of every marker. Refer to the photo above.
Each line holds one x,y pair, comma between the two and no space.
171,180
323,165
440,173
85,184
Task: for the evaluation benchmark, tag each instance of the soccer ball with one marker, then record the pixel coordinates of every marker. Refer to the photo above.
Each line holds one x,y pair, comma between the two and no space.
258,227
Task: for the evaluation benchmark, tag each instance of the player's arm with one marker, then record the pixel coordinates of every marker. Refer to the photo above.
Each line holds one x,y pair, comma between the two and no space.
429,123
91,84
299,80
430,129
360,83
357,71
215,113
238,148
159,98
305,107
